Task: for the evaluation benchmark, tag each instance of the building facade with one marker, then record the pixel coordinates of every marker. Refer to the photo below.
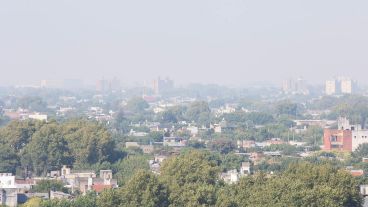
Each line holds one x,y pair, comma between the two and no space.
346,138
337,140
341,85
330,87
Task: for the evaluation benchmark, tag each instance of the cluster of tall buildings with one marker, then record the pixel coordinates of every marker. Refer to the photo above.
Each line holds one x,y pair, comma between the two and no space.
341,85
295,86
161,85
108,85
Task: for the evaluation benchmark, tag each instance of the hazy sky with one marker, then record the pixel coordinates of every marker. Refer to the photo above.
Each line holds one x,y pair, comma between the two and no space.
231,42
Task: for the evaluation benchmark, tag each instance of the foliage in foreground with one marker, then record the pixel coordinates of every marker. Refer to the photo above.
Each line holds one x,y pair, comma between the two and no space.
191,180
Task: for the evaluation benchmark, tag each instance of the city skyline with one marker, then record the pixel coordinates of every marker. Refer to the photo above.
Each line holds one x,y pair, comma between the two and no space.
228,43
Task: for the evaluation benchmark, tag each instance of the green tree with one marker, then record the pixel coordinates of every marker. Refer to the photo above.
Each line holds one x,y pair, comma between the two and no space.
17,134
121,123
286,107
48,150
191,178
9,160
232,161
88,200
33,202
199,112
45,186
128,166
109,198
56,203
168,117
89,142
313,135
144,189
33,103
156,136
302,184
137,104
360,152
223,146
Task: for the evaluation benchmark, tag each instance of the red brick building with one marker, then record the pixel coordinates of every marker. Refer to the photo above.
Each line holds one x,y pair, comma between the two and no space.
338,140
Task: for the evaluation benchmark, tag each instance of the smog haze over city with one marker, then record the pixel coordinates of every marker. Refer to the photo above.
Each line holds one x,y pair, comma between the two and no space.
168,103
233,43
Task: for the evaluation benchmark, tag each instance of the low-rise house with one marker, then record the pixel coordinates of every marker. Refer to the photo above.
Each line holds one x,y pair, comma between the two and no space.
8,197
256,157
273,154
193,130
10,188
25,185
7,180
68,173
105,181
38,116
87,180
356,172
64,110
175,142
147,149
296,143
230,177
137,134
306,154
313,122
132,145
160,158
59,195
225,110
364,190
155,164
54,174
246,168
274,141
222,126
217,128
245,144
11,114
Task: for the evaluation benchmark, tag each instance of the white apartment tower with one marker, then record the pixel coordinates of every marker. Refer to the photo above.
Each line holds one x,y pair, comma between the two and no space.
330,87
341,85
346,86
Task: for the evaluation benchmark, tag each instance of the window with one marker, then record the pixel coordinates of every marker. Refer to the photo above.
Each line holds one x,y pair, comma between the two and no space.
334,146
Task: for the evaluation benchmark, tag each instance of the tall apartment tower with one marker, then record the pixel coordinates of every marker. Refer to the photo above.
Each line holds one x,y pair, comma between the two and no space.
292,86
341,85
330,87
346,86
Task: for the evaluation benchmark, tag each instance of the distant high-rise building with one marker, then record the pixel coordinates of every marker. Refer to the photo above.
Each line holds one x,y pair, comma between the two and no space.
51,84
102,85
155,87
114,84
108,85
346,86
330,87
341,85
162,85
293,86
